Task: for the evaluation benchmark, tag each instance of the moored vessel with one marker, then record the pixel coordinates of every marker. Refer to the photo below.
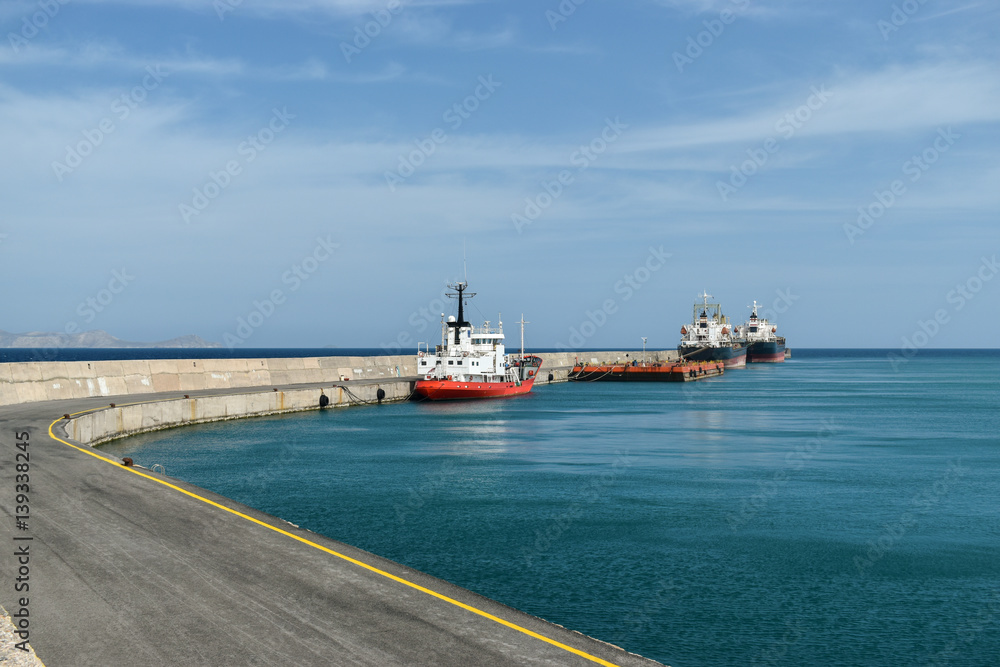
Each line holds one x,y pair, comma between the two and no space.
763,343
471,362
677,371
711,337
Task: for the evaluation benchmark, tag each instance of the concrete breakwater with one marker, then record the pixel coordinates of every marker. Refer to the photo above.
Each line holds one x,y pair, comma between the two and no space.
110,422
30,382
274,386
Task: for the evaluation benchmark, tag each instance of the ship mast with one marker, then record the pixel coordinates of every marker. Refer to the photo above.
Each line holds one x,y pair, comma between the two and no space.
460,287
522,323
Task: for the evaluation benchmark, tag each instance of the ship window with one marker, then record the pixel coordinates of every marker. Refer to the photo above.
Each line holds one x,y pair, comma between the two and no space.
451,363
423,363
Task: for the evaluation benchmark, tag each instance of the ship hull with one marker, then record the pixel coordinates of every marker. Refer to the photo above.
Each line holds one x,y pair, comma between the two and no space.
672,372
768,352
732,357
453,390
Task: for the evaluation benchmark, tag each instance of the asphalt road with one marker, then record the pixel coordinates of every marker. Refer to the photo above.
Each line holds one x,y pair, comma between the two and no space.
126,570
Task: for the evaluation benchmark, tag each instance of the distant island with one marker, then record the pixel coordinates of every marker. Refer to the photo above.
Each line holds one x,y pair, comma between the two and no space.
92,339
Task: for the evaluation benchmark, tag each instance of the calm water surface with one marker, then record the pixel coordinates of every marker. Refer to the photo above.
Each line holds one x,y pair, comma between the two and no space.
824,511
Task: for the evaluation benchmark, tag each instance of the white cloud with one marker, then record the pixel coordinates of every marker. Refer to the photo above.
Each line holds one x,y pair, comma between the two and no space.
95,57
894,100
267,8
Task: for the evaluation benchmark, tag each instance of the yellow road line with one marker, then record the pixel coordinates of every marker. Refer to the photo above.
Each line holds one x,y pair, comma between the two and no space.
354,561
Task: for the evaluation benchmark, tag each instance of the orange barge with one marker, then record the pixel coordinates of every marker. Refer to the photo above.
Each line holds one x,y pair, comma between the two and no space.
679,371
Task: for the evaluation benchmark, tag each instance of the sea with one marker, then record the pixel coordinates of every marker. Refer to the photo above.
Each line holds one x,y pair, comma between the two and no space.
840,508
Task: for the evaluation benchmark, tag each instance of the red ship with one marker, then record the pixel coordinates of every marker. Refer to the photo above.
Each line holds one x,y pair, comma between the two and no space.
470,361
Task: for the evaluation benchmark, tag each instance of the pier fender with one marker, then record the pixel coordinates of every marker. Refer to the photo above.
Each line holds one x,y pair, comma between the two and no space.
380,394
551,377
324,400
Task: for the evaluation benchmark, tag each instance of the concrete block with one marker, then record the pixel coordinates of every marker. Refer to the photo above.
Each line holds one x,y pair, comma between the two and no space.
192,381
163,382
165,366
105,369
29,371
8,394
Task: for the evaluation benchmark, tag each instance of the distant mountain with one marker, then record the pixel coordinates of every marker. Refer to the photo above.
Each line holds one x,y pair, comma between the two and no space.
91,339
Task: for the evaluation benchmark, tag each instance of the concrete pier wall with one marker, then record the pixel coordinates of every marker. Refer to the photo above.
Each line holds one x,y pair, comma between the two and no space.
110,423
29,382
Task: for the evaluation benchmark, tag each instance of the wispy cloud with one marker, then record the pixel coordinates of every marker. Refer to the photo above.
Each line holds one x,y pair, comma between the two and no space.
895,99
335,8
105,57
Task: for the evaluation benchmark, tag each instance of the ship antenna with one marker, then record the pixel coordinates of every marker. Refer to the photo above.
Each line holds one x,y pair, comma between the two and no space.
522,334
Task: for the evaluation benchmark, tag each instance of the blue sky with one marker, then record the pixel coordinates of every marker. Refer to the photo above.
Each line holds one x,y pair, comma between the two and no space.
603,165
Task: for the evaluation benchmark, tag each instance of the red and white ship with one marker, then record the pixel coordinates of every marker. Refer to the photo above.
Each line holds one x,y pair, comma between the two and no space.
471,362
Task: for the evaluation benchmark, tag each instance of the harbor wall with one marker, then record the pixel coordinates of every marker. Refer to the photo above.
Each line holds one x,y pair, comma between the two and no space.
34,381
115,422
29,382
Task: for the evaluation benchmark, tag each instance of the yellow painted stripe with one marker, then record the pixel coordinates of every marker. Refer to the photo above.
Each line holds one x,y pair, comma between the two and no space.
354,561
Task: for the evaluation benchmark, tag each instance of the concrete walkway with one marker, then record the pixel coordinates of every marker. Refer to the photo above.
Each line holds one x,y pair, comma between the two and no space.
131,568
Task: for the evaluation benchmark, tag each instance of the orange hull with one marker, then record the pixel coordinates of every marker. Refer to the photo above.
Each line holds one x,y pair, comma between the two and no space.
682,371
450,390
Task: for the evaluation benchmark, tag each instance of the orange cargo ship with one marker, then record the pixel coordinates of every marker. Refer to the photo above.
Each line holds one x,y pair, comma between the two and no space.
679,371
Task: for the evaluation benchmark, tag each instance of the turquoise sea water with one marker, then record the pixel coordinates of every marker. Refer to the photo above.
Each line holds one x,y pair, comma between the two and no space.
829,510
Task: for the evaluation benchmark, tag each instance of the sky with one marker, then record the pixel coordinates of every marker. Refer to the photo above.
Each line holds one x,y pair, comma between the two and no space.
307,173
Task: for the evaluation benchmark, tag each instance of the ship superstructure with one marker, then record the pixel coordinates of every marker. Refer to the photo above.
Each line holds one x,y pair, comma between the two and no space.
471,362
711,337
763,343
